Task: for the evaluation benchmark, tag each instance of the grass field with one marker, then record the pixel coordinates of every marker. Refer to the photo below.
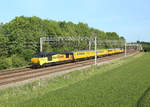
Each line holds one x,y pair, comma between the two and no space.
123,83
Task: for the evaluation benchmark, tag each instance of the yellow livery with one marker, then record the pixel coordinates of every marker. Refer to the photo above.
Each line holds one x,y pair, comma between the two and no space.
44,59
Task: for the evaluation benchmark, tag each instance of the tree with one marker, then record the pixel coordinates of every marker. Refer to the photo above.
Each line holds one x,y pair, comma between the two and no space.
21,36
3,45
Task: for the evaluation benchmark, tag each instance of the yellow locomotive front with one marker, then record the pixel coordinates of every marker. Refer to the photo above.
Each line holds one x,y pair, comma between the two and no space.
37,59
43,59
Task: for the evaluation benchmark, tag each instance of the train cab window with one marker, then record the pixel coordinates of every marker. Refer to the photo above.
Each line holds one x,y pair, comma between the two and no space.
49,58
67,55
35,56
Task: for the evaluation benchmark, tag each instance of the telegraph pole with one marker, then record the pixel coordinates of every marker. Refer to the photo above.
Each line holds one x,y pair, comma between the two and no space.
125,48
90,44
95,51
41,43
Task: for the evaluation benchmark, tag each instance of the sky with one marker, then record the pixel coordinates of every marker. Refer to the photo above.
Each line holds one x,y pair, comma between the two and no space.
129,18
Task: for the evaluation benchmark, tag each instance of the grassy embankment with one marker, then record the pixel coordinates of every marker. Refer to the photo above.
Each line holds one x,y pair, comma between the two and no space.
123,83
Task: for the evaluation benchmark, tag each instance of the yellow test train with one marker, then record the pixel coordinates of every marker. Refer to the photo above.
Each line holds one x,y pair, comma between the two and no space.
49,58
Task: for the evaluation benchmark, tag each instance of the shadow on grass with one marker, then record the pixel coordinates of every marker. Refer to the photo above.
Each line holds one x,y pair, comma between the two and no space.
139,102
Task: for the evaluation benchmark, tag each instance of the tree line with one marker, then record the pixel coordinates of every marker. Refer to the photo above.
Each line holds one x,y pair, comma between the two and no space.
19,38
145,45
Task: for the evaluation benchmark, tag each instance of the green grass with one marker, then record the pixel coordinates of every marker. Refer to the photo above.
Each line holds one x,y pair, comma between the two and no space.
121,83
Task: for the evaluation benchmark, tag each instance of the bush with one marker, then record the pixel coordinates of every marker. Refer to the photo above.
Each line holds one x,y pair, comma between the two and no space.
145,45
27,54
18,61
5,63
12,62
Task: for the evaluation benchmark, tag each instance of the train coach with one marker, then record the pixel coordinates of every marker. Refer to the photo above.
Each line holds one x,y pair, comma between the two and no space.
43,59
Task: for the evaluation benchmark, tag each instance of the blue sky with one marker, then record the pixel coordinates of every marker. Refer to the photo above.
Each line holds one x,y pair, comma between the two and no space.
129,18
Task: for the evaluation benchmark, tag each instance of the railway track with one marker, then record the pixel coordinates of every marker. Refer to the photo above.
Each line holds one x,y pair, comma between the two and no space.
17,75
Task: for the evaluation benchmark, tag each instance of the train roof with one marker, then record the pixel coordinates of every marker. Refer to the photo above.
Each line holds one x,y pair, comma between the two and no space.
41,54
94,50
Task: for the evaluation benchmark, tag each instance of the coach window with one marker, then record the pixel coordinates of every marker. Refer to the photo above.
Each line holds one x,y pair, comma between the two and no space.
67,55
49,58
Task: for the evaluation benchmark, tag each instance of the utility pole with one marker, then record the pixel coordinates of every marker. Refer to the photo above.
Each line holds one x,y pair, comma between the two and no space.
90,44
41,43
125,48
95,51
